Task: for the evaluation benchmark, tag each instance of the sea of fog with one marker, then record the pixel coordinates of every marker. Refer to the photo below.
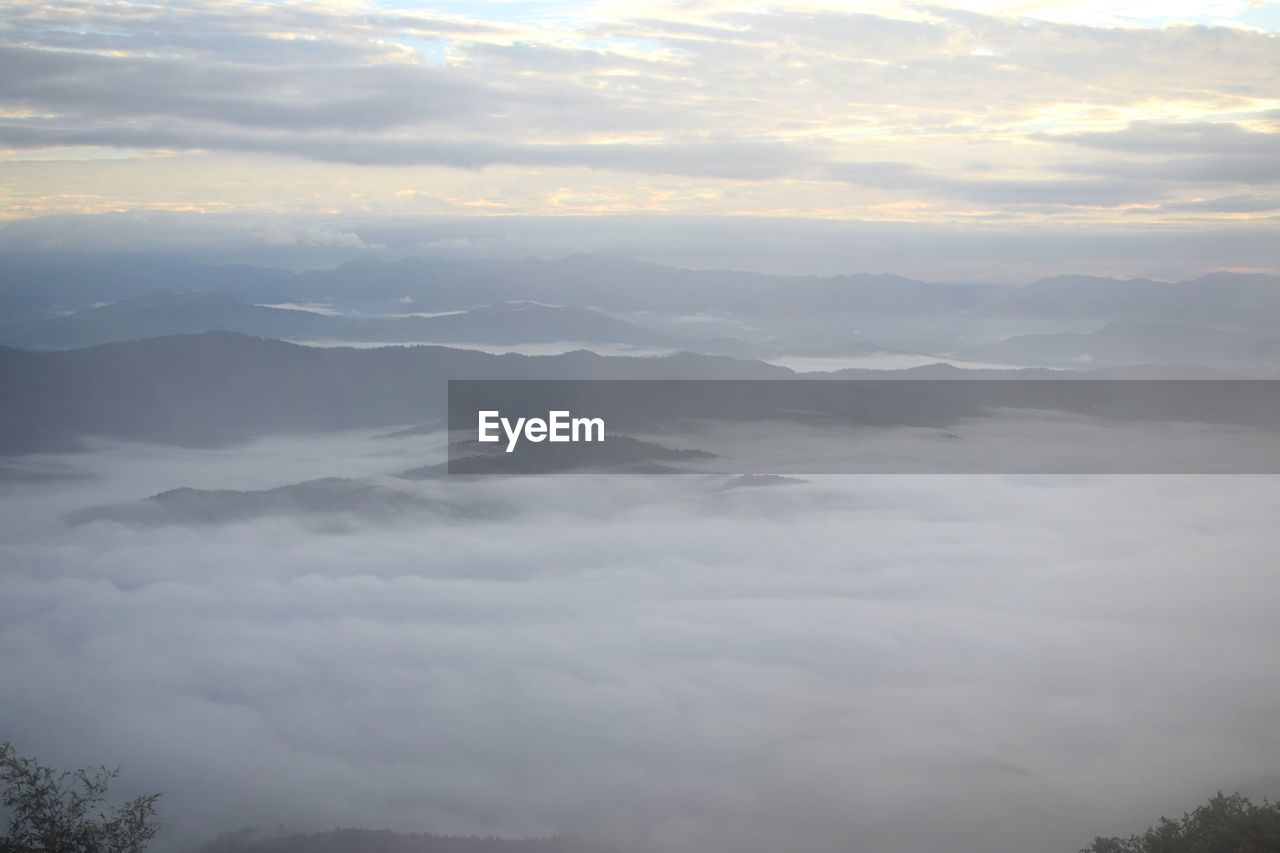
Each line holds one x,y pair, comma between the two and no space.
907,664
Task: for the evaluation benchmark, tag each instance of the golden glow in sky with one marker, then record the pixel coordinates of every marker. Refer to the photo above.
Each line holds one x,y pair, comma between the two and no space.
1036,112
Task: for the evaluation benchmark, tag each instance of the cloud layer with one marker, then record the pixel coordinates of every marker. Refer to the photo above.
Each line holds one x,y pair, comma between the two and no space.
893,112
903,664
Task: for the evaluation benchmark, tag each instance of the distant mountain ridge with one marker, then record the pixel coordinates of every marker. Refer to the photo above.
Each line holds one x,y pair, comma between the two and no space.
35,282
71,281
215,387
1224,321
1243,300
616,283
1134,343
159,314
623,284
218,387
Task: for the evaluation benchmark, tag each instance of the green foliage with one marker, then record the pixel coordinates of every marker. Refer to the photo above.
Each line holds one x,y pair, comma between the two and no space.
1225,824
51,812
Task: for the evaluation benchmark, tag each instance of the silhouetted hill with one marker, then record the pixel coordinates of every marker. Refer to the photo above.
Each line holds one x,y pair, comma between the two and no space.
215,387
220,506
218,387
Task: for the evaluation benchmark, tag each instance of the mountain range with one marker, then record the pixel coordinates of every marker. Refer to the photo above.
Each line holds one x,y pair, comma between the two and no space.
206,389
158,314
1128,343
38,282
218,387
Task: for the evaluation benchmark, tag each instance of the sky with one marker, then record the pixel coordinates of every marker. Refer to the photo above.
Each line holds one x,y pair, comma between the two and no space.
1118,116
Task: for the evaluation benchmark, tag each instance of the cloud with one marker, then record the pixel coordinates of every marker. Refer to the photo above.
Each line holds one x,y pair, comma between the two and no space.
998,191
909,664
1216,153
720,97
353,96
1224,139
278,233
1245,203
724,158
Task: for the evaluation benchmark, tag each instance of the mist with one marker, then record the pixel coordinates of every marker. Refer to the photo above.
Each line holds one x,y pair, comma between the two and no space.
1005,253
900,663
